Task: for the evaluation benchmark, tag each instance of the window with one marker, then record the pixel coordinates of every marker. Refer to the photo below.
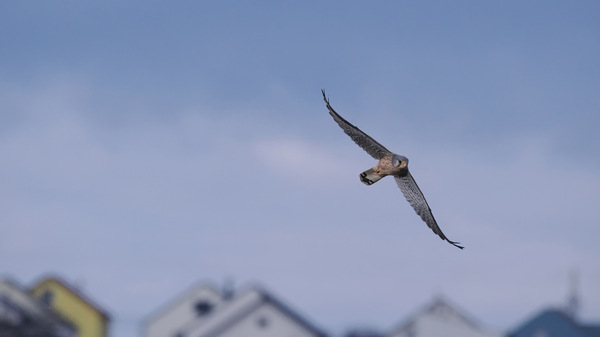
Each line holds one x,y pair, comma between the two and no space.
47,297
202,307
262,322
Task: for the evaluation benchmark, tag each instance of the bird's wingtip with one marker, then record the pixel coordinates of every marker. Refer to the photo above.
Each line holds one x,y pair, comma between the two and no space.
456,244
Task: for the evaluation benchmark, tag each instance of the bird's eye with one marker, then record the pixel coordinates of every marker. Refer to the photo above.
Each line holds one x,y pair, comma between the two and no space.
396,162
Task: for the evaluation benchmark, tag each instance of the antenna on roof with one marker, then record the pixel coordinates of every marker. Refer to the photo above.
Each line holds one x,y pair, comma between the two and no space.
573,302
228,288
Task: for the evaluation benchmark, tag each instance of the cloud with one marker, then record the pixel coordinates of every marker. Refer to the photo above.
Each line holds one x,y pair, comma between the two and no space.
300,160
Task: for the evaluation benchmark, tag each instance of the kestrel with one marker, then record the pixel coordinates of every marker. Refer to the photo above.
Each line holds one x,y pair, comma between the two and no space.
389,164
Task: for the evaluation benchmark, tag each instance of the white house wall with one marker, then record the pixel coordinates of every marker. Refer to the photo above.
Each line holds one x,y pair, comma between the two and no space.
440,319
429,326
170,321
223,315
266,321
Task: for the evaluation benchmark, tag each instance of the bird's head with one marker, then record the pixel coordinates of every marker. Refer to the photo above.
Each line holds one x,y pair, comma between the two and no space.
399,161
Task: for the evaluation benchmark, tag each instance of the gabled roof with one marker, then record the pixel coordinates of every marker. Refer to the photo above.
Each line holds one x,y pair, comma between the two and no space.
75,292
592,330
240,307
294,315
440,318
554,323
179,300
17,299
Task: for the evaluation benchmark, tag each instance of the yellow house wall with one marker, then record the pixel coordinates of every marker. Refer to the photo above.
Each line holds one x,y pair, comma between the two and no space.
89,321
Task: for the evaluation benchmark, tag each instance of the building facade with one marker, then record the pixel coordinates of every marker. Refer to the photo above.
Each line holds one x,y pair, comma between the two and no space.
440,318
21,315
204,311
89,318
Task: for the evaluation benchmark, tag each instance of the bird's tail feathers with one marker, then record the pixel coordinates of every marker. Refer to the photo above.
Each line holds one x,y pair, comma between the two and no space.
370,176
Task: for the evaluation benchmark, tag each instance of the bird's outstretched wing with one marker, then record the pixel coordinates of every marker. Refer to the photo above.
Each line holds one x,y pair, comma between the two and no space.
415,197
363,140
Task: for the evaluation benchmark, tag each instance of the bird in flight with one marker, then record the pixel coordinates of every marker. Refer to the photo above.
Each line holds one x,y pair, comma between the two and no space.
390,164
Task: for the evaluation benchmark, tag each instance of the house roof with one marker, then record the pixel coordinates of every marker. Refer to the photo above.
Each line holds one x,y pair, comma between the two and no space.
554,323
74,291
592,330
179,300
243,304
294,315
48,313
440,318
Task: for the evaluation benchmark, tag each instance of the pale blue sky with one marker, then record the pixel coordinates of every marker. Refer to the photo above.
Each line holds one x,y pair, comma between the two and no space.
148,146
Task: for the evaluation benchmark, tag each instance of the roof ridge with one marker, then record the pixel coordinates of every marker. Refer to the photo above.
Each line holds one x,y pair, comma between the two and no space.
75,291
